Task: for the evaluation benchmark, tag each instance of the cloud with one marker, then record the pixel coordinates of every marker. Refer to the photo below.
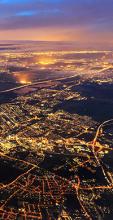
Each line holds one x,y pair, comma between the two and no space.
57,12
95,16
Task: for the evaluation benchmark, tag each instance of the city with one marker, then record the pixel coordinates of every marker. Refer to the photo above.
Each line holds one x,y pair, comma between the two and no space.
56,135
56,110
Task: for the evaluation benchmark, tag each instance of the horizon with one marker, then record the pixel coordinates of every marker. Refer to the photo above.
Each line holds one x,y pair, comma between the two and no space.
59,45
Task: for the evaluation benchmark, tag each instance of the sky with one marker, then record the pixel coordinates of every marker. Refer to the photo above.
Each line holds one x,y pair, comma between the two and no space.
83,21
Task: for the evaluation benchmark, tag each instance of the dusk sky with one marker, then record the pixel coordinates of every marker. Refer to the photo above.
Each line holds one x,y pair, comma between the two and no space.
70,20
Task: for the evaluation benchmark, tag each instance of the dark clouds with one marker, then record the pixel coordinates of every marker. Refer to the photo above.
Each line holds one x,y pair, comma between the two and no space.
36,13
93,15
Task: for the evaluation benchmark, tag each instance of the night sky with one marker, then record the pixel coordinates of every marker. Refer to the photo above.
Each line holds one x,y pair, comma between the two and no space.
82,21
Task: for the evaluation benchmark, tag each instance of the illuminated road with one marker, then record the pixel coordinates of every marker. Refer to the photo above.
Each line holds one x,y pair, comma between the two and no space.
107,175
100,127
36,83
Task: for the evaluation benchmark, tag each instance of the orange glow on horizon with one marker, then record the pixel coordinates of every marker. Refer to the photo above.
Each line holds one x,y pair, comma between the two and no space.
82,36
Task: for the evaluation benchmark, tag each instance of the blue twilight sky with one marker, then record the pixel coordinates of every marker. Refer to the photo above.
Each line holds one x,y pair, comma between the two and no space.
76,20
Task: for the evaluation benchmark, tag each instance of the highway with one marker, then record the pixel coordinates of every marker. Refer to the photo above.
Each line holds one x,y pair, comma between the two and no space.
108,122
107,175
35,83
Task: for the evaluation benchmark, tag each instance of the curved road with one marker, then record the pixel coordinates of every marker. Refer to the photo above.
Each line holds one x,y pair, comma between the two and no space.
107,175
